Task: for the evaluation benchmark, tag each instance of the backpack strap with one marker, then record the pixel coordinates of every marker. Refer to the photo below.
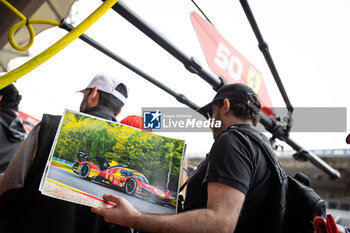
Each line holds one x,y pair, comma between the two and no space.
262,141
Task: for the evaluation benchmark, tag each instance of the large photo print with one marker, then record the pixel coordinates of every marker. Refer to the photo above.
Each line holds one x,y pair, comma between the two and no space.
93,156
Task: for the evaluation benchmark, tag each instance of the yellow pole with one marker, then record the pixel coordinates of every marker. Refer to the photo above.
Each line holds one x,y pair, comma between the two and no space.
15,74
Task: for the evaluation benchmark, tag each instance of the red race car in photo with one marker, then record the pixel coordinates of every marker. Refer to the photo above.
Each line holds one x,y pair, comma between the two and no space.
120,176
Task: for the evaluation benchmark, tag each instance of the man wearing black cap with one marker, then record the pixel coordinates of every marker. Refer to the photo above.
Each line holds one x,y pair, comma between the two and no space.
231,190
22,207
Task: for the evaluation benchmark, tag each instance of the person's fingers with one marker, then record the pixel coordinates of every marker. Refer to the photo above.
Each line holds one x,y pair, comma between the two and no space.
103,211
112,198
99,211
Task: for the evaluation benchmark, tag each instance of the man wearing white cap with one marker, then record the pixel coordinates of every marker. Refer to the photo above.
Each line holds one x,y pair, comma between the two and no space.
22,207
106,93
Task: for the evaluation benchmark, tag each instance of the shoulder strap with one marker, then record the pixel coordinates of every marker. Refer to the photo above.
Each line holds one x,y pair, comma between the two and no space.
47,133
264,145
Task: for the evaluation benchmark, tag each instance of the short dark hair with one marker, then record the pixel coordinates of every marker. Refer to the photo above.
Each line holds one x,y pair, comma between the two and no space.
110,101
10,97
243,110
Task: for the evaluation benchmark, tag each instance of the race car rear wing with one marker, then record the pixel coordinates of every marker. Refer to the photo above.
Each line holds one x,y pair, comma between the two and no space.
82,156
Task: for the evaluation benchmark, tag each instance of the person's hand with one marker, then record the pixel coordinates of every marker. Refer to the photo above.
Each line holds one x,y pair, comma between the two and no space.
123,213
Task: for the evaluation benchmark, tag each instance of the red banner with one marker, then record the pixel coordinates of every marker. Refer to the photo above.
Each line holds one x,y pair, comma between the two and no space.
28,121
225,61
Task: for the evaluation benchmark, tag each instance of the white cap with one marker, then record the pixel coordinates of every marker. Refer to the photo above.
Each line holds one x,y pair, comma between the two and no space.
107,83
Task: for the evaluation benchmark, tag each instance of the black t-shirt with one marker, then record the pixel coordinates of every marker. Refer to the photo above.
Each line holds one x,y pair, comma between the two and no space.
239,162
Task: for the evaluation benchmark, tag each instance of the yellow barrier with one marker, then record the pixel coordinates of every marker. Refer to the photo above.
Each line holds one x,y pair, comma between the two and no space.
55,48
23,22
15,27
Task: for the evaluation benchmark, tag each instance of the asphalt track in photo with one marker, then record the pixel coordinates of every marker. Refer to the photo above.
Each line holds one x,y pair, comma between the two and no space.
73,180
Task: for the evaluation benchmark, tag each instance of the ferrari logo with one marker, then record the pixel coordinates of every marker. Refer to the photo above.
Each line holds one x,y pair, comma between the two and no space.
254,80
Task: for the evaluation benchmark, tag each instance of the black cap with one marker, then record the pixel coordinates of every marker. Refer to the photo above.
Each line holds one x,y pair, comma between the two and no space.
237,93
10,97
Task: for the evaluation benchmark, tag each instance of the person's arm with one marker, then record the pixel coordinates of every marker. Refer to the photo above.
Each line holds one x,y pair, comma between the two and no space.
223,208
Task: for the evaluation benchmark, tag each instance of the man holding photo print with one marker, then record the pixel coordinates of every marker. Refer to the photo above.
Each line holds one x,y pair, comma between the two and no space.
22,207
232,189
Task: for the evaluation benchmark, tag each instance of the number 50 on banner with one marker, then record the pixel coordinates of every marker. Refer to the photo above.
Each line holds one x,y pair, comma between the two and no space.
225,61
